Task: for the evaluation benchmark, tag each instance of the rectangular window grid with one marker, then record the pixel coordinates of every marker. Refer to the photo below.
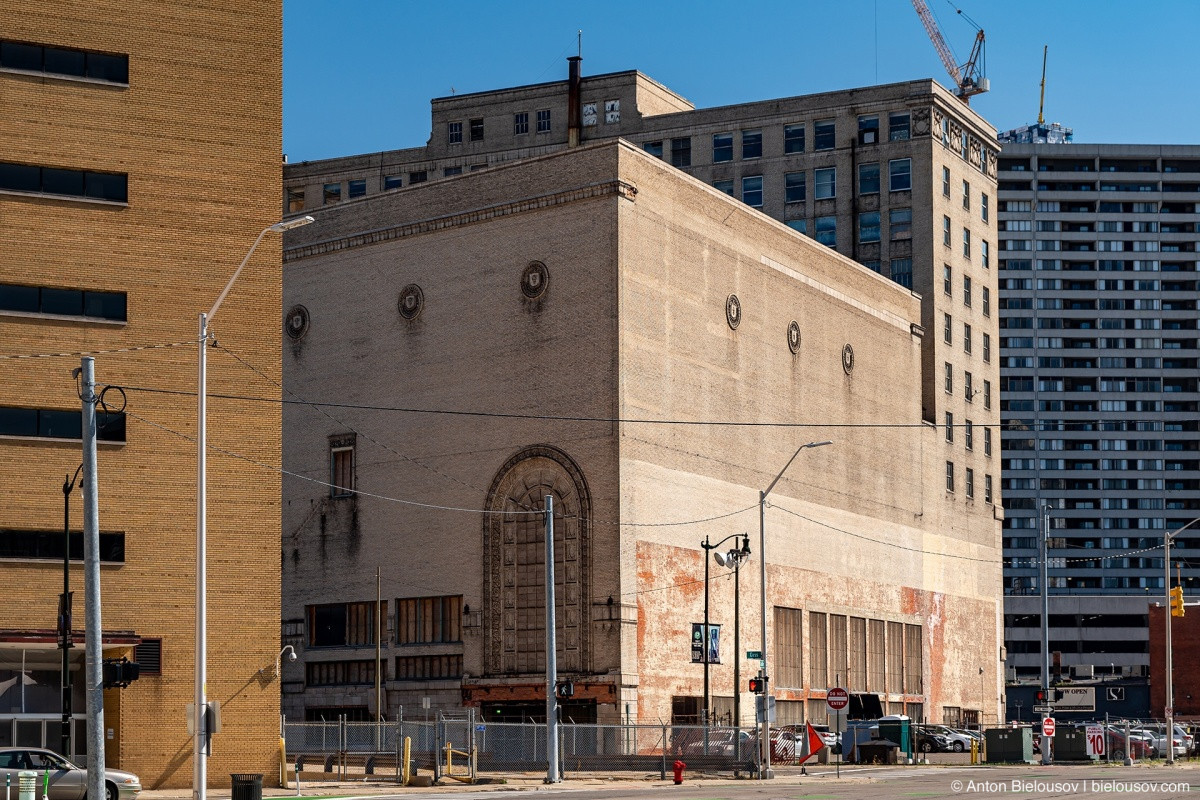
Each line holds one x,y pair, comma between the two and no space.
824,134
520,123
681,152
900,174
722,147
751,144
825,183
429,620
454,132
543,120
793,139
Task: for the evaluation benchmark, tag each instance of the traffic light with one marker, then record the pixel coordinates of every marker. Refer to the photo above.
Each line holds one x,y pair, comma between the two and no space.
1040,696
120,672
758,685
1177,601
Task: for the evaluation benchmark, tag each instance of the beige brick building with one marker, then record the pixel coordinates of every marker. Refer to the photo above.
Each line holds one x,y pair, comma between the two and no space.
574,324
139,158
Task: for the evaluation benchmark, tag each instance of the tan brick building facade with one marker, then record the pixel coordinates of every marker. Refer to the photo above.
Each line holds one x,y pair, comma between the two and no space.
140,147
587,316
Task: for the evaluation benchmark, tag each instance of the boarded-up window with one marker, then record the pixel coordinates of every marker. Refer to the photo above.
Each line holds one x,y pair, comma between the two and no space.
818,712
339,673
789,642
912,659
818,651
429,668
857,680
789,712
341,471
895,657
876,656
341,625
838,663
425,620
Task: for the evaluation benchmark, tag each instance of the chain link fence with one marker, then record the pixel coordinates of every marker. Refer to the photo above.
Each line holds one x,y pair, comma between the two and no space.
341,750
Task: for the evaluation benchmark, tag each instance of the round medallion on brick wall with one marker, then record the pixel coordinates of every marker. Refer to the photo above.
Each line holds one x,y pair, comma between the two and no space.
295,324
535,280
733,311
412,300
794,337
848,359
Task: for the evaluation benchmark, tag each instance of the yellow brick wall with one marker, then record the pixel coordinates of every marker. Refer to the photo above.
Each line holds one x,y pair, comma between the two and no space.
198,132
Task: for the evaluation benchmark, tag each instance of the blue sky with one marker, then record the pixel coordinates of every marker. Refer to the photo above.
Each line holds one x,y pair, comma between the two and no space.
359,74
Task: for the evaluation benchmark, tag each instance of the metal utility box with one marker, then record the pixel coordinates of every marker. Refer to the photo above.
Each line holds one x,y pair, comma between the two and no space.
1009,745
896,730
1070,744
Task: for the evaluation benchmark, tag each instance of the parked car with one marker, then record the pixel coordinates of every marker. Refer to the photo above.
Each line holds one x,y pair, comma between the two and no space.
928,741
1157,735
714,742
1139,746
67,781
956,740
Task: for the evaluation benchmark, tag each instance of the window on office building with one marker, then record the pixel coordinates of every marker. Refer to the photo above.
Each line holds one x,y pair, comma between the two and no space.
794,187
752,190
825,182
987,348
987,395
899,124
357,188
949,476
392,182
983,207
722,147
900,223
871,264
946,181
543,121
966,243
967,291
654,148
968,386
868,129
477,130
969,435
341,624
520,123
985,253
900,174
800,225
987,441
967,195
724,186
295,199
949,427
946,231
970,483
947,279
751,144
987,488
793,138
826,228
966,338
681,152
868,178
429,620
901,271
947,328
449,172
454,132
949,378
986,294
332,193
824,134
67,62
868,226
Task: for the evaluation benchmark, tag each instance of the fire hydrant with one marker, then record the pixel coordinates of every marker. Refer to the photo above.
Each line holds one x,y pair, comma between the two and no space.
679,768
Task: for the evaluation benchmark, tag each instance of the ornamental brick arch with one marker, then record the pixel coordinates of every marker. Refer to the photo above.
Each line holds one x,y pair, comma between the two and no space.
514,557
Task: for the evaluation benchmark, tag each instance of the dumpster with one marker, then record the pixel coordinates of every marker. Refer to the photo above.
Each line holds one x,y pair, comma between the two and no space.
246,786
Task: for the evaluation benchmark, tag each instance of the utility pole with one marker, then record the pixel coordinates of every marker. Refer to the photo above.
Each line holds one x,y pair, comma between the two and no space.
1043,572
552,775
94,680
64,616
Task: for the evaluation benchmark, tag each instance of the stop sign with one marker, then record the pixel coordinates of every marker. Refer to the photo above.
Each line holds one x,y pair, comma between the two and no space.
837,698
1048,726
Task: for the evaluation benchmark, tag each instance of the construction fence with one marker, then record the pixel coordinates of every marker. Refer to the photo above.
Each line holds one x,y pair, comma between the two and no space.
453,746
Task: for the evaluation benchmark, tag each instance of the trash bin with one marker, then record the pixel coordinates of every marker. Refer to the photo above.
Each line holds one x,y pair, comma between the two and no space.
247,786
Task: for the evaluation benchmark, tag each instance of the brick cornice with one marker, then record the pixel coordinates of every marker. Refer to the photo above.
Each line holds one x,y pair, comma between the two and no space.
616,187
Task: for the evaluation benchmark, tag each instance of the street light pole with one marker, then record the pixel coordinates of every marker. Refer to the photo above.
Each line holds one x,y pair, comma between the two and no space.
707,633
764,770
1170,684
64,615
200,735
733,559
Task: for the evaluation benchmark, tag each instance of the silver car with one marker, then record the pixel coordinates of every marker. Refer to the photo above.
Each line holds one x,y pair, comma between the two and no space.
67,781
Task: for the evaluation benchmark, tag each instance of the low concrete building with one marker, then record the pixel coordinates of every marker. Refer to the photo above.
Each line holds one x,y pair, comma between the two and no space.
599,327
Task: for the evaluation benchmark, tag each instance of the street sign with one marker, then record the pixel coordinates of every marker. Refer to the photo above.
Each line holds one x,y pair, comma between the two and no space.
1048,726
837,698
1095,740
754,655
1042,709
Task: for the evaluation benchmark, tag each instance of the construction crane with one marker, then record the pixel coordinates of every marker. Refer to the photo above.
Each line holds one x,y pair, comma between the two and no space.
968,78
1042,99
